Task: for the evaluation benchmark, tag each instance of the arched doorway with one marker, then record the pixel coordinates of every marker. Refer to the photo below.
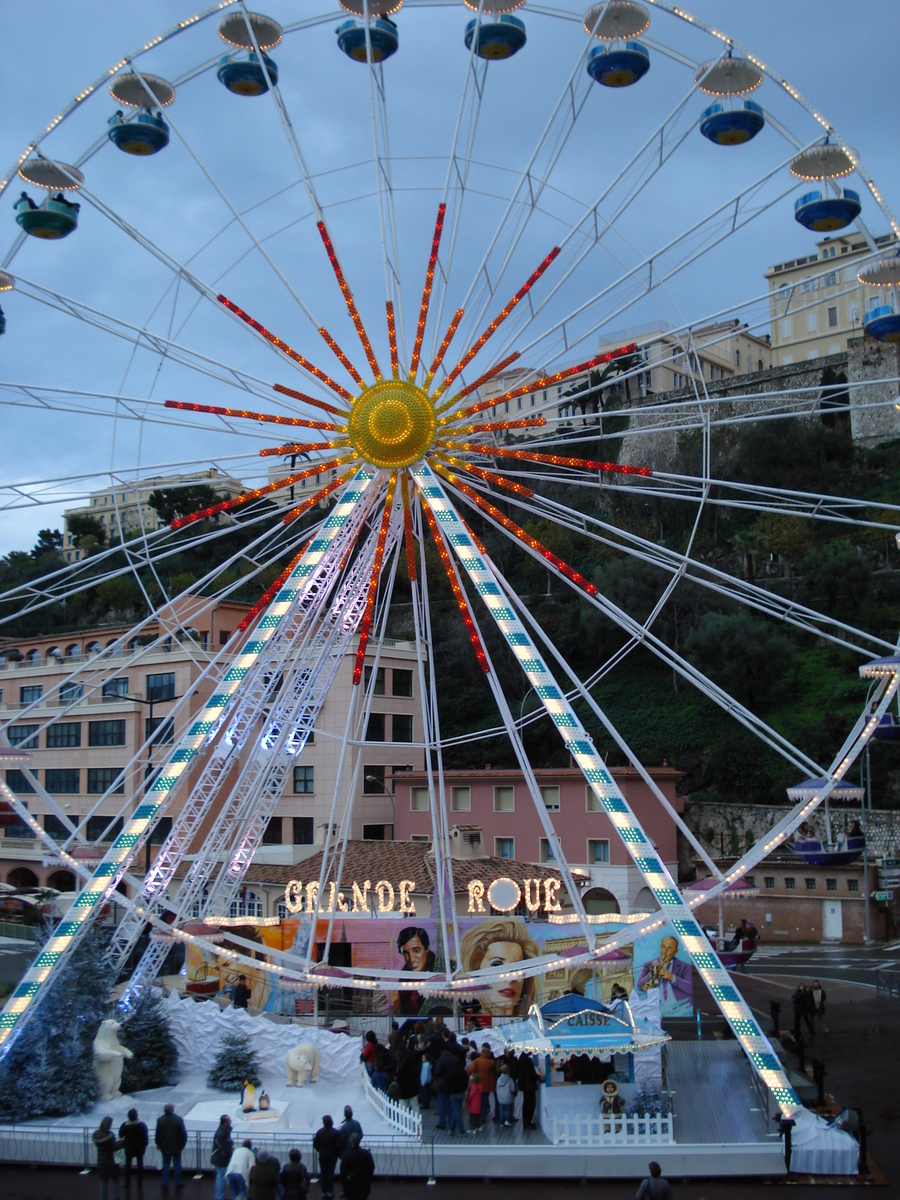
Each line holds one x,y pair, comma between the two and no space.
21,877
598,901
645,901
63,881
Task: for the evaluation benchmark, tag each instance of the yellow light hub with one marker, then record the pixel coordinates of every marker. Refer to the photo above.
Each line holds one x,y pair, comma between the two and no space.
393,424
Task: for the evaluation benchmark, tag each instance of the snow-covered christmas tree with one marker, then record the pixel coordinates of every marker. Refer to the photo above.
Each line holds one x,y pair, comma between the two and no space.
146,1033
236,1062
49,1070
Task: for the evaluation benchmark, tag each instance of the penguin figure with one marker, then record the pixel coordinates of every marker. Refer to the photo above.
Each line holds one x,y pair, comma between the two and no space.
248,1097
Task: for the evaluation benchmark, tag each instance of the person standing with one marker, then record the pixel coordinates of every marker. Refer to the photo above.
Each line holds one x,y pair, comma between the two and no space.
655,1188
357,1169
347,1130
264,1178
223,1148
136,1138
528,1086
799,1002
473,1102
294,1177
242,993
457,1087
442,1069
819,996
426,1071
171,1139
486,1066
327,1144
107,1168
505,1097
238,1170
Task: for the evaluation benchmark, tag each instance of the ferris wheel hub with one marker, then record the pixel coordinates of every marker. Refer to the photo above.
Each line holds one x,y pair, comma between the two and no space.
393,423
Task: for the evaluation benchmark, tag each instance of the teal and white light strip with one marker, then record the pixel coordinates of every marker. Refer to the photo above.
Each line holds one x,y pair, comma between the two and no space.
127,844
578,742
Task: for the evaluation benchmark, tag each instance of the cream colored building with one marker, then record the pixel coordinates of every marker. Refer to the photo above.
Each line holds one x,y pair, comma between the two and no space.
125,509
816,302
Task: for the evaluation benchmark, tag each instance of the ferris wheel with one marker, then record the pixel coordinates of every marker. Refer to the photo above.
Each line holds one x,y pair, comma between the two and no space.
310,266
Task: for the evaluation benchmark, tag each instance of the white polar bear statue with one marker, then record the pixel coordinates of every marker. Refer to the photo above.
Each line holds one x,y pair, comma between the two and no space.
302,1064
109,1059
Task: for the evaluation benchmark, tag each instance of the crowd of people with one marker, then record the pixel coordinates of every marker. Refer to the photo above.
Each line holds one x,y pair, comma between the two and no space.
426,1061
241,1170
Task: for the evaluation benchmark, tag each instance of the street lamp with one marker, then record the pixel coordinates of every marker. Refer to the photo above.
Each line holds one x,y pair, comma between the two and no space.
390,795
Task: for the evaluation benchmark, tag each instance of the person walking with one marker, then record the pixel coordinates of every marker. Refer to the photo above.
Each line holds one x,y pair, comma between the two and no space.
505,1096
799,1002
107,1144
264,1178
171,1139
223,1148
528,1086
238,1170
348,1128
134,1134
473,1103
457,1087
819,996
294,1177
486,1066
242,993
655,1188
327,1144
357,1169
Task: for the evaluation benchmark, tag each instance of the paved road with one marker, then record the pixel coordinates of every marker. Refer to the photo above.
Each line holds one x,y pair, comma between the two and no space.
848,964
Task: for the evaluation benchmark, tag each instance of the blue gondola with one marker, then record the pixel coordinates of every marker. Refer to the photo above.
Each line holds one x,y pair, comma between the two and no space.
732,126
825,214
618,68
244,75
829,854
883,324
54,219
351,36
499,37
888,728
146,133
2,322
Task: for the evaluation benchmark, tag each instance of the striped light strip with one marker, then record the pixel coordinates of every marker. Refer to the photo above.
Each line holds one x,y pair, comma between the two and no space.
578,743
117,858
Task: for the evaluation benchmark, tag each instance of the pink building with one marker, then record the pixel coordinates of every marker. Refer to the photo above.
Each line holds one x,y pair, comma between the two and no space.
499,803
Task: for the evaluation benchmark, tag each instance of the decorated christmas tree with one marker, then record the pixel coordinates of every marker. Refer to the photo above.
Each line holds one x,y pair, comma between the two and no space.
236,1062
49,1069
146,1033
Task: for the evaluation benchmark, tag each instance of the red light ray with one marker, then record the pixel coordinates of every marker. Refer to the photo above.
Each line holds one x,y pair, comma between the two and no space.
518,532
461,602
286,391
487,476
546,381
392,337
320,495
520,423
442,349
236,501
497,321
408,529
366,623
286,349
342,357
273,588
479,382
426,291
302,448
247,415
348,299
556,460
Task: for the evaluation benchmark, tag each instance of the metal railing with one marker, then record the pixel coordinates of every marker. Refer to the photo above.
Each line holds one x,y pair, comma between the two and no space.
583,1129
22,933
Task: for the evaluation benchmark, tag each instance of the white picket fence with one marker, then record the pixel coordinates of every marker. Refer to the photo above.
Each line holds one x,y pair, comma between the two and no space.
399,1115
575,1129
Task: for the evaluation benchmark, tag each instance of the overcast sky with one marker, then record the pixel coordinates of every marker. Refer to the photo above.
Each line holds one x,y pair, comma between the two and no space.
840,54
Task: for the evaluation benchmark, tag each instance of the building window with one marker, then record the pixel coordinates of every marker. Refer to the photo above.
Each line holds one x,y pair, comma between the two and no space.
769,882
811,321
161,687
378,689
737,358
23,735
54,826
272,832
832,318
378,833
224,635
113,689
810,884
598,850
551,797
505,799
160,729
63,781
461,799
751,880
28,695
248,904
161,831
64,736
99,829
830,885
16,782
303,831
402,682
852,884
787,328
304,781
99,779
790,883
505,847
592,800
547,854
106,733
418,799
375,727
373,781
787,360
419,837
70,692
402,727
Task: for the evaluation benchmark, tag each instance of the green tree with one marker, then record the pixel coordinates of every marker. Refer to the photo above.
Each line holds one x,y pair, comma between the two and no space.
146,1033
236,1063
743,655
170,503
87,532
